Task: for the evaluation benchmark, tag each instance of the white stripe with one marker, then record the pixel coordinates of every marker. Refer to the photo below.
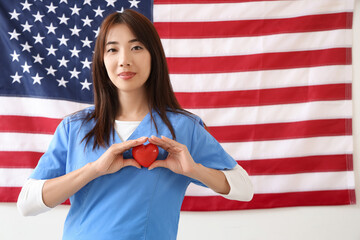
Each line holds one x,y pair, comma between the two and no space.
38,107
14,177
261,79
24,142
247,10
290,148
301,182
256,45
275,113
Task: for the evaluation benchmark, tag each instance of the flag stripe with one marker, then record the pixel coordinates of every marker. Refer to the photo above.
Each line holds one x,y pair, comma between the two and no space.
332,145
269,79
300,182
19,159
28,124
230,11
290,199
264,96
320,163
284,113
256,62
248,28
207,47
206,1
277,131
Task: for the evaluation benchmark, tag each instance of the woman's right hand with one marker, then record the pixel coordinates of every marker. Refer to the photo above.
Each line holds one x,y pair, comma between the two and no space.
112,160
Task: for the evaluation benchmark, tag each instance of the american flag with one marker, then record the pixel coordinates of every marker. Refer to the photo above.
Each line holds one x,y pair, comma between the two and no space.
271,79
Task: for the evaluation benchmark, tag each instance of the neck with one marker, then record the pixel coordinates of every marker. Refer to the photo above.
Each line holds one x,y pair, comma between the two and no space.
133,106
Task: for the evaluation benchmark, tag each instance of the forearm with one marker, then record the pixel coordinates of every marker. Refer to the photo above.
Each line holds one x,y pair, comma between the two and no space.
57,190
214,179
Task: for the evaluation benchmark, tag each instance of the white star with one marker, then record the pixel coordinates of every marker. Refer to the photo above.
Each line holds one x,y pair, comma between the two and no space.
38,38
26,47
121,11
65,1
62,82
14,15
50,71
51,28
86,42
26,26
87,21
26,5
74,73
38,17
63,62
87,2
85,84
134,3
15,56
26,67
38,59
98,11
51,8
51,50
75,31
63,40
96,32
37,79
74,52
16,78
86,63
110,2
75,10
14,34
63,19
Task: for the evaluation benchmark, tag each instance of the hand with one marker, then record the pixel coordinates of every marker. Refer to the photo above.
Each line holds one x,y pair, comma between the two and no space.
178,160
112,160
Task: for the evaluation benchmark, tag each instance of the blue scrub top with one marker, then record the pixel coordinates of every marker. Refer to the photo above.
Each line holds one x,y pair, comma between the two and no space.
132,203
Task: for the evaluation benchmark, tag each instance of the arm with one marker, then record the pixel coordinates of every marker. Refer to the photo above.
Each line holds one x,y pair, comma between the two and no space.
57,190
180,161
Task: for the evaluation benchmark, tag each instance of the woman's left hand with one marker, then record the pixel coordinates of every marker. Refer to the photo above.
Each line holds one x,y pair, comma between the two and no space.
178,160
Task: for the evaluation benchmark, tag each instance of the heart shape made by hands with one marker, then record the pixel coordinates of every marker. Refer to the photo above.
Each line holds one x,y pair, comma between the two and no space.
145,155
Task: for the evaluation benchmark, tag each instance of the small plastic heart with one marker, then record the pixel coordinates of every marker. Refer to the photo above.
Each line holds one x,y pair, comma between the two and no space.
145,155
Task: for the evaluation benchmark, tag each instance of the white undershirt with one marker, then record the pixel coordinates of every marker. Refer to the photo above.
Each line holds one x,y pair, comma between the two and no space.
30,202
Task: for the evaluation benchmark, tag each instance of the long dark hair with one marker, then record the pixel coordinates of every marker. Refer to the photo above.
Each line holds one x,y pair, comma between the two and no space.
161,97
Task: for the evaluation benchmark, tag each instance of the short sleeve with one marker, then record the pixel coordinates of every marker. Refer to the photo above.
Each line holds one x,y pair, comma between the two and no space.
206,150
53,162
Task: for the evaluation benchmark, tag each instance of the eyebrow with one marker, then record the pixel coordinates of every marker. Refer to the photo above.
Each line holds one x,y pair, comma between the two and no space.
130,41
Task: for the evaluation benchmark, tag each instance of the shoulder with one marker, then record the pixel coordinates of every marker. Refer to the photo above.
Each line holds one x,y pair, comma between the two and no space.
184,117
77,119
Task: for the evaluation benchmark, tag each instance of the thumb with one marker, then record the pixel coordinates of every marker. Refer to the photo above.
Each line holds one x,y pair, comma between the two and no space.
131,162
157,163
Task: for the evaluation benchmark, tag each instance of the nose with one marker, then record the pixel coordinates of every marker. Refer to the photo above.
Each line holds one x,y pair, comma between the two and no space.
125,59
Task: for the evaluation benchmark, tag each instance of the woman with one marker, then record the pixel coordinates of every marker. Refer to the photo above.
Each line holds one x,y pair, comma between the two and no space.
89,159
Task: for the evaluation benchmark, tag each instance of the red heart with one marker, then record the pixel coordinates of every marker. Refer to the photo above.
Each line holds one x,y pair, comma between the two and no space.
145,155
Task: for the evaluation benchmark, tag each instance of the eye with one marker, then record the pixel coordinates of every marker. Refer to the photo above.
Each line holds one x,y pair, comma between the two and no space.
136,48
111,50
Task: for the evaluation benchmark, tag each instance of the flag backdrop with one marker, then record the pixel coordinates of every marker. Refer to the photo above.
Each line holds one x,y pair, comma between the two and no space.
271,79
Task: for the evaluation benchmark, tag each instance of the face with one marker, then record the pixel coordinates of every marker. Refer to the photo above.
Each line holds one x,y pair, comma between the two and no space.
127,61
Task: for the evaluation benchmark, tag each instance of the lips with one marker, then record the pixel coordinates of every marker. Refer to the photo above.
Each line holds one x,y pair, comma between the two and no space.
126,75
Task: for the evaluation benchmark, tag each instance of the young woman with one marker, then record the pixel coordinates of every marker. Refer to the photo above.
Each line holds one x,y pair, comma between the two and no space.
89,159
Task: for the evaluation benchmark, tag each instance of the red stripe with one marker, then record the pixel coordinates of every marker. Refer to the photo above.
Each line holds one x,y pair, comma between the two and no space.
259,27
19,159
257,62
10,194
325,163
261,97
316,198
27,124
207,1
278,131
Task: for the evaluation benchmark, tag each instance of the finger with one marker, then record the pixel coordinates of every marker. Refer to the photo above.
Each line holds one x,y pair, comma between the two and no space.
163,144
157,163
131,162
124,146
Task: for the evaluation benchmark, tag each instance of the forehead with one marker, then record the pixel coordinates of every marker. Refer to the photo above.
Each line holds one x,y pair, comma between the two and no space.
120,33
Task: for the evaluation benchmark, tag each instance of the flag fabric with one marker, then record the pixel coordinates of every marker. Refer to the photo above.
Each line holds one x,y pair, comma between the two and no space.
271,79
